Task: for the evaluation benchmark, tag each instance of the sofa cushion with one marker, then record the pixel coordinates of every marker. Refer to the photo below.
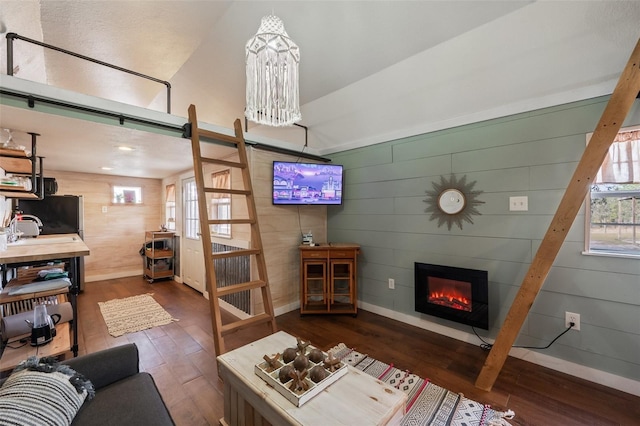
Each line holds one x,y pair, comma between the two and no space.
41,391
134,400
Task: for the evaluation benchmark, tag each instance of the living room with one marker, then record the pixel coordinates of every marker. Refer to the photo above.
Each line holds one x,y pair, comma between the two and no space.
531,153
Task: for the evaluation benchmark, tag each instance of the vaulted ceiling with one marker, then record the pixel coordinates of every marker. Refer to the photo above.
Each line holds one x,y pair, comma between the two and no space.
370,71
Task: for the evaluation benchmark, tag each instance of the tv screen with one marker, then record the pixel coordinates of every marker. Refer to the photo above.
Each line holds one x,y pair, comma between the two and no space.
306,183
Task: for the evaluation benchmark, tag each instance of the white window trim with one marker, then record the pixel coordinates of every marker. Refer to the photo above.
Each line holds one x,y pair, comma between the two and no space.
587,217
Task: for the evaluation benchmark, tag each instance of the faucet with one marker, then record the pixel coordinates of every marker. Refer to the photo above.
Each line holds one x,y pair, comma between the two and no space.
12,236
13,231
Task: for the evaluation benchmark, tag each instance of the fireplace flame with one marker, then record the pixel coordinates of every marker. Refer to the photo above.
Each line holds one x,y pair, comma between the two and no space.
450,299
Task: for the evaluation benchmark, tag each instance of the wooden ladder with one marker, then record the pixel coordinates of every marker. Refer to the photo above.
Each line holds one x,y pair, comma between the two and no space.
255,250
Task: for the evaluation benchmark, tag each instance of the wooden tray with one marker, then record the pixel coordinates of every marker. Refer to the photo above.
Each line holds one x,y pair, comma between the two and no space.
300,397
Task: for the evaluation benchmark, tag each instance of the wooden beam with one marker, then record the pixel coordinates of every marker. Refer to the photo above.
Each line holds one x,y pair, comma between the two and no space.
614,114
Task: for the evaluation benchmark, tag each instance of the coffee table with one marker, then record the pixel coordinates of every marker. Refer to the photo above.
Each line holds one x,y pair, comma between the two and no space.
354,399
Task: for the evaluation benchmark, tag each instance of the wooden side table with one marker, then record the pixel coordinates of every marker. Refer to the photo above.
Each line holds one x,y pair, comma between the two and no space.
354,399
328,278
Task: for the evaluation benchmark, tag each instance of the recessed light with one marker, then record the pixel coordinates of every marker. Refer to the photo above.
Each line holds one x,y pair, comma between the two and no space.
126,148
106,168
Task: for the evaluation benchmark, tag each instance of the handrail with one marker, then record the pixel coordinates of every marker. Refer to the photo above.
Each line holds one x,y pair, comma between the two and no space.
14,36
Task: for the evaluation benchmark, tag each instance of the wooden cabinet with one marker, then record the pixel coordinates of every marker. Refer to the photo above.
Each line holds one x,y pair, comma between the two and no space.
328,279
22,173
159,255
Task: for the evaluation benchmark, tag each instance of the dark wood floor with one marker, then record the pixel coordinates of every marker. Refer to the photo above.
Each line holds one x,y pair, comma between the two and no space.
181,358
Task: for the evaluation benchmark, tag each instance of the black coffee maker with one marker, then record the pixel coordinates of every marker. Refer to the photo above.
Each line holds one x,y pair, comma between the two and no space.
43,328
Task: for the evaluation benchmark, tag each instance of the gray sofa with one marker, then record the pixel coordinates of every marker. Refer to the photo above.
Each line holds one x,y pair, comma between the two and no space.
124,395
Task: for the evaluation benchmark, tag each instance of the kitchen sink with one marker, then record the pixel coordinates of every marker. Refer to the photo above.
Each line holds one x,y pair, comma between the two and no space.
46,240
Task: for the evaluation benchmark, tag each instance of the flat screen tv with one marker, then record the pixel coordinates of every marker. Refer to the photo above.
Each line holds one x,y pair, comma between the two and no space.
306,183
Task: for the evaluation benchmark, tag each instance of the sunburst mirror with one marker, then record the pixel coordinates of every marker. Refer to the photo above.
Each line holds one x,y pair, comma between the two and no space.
452,201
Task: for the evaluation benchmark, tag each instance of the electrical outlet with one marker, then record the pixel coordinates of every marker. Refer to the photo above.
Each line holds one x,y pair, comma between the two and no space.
519,204
104,209
392,283
570,317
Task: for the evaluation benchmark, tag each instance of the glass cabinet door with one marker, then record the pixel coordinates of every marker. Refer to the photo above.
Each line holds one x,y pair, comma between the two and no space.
314,285
342,285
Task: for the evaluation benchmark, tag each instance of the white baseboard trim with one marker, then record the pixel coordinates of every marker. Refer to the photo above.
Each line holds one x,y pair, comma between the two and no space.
113,275
121,274
286,308
591,374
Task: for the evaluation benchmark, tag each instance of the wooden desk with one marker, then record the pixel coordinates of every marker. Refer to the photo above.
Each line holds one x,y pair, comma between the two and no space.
59,345
355,399
49,247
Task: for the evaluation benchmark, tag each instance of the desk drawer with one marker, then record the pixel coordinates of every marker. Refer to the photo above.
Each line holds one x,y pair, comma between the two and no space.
343,254
315,254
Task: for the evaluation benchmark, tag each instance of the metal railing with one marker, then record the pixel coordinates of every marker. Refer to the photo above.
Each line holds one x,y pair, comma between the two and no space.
13,36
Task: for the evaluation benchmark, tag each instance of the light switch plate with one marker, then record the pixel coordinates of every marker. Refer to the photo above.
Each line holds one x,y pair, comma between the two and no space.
519,204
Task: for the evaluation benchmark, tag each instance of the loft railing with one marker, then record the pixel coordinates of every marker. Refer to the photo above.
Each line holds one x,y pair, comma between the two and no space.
13,36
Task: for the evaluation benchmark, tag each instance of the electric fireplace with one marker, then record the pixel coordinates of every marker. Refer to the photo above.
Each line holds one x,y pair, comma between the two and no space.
456,294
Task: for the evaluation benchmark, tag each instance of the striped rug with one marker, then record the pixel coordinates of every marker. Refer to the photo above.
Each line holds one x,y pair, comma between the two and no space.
427,403
133,314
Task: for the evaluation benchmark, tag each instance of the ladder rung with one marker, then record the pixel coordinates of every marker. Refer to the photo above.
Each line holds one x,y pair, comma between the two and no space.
236,288
230,221
217,136
223,162
235,253
227,191
238,325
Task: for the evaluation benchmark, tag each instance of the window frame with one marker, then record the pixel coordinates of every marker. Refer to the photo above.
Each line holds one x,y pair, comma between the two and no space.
220,204
119,197
191,217
588,250
170,207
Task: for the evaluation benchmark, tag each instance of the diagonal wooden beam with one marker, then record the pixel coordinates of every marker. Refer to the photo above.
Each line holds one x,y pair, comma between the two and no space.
614,114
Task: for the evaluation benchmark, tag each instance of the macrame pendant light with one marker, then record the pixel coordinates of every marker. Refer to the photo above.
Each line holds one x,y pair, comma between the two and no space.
272,60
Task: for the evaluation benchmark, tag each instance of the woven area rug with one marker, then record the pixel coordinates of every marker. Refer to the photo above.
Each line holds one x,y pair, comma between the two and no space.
427,404
133,314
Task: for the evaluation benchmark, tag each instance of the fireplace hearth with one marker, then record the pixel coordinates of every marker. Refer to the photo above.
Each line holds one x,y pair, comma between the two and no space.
455,294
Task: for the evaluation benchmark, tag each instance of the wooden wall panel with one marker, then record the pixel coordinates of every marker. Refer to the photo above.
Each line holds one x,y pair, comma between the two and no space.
281,228
114,237
532,154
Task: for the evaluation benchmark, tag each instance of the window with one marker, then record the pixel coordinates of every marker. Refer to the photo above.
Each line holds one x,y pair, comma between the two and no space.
127,195
221,203
190,202
170,207
613,219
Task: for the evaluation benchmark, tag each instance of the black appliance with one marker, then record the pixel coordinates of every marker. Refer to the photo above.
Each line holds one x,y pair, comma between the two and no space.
50,186
60,214
43,328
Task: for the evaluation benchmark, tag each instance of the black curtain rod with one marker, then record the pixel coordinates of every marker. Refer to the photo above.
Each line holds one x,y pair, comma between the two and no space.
184,130
31,101
306,130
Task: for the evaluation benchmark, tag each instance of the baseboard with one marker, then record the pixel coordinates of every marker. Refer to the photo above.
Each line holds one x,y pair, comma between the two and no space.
591,374
286,308
121,274
113,275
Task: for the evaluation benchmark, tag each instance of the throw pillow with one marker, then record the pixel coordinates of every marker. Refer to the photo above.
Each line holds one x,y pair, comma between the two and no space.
43,392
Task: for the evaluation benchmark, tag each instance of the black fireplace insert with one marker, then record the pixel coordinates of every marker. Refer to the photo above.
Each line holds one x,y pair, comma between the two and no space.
456,294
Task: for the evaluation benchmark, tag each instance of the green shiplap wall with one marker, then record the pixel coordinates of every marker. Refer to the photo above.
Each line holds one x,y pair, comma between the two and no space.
532,154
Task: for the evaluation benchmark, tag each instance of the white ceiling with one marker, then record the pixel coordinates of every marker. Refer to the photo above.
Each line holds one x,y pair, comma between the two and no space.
370,70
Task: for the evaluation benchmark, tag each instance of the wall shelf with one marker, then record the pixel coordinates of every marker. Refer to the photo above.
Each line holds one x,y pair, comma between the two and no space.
18,162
